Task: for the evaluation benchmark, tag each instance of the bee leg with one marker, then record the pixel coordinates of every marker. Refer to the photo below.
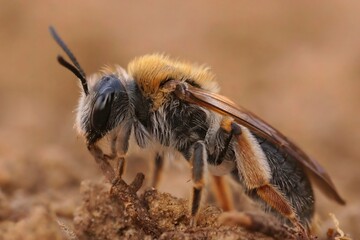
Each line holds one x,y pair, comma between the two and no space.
199,161
120,161
220,186
222,193
256,173
277,201
120,169
120,146
102,161
158,170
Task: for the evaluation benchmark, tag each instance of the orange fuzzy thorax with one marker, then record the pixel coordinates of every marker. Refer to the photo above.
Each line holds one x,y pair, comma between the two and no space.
150,71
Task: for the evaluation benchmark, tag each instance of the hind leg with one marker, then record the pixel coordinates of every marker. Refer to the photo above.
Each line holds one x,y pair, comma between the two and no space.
254,167
222,193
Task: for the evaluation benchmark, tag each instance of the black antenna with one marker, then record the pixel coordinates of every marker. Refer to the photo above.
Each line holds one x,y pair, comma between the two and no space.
76,68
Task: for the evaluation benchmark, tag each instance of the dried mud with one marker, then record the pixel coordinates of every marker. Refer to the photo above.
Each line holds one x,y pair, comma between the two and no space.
117,211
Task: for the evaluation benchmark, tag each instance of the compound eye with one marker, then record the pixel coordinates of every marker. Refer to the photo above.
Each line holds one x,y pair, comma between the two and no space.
101,110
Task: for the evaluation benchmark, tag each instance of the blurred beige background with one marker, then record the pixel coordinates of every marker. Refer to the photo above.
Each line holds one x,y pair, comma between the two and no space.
296,64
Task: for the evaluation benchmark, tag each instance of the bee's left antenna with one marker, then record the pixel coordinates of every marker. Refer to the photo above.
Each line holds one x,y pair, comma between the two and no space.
76,68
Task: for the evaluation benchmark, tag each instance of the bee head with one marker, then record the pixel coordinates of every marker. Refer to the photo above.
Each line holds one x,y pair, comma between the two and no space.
104,103
105,107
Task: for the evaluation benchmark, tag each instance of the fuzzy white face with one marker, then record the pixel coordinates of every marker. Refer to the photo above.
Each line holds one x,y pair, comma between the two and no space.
96,112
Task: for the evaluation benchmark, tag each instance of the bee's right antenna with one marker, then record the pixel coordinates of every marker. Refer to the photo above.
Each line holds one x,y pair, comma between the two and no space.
76,68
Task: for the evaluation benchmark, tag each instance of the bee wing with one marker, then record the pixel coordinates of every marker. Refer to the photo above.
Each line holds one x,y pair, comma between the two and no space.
224,106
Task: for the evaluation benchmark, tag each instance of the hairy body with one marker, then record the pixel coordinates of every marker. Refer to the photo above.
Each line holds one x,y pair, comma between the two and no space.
157,116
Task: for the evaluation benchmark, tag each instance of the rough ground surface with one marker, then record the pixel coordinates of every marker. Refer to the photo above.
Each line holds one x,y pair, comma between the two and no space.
122,214
118,212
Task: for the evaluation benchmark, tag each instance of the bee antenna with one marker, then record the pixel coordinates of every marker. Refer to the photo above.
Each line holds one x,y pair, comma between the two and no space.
76,68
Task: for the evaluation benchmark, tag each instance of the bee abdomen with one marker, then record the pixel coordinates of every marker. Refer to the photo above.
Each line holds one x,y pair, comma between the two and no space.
289,176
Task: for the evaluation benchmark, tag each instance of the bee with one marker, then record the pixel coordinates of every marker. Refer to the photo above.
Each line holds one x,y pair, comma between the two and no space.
176,105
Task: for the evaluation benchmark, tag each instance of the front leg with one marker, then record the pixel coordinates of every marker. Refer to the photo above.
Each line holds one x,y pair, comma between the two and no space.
102,161
121,147
119,144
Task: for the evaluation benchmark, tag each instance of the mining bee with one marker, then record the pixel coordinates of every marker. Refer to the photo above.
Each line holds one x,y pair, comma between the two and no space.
176,105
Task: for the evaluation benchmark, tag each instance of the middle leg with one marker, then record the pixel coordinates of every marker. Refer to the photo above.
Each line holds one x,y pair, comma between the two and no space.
220,185
158,167
198,161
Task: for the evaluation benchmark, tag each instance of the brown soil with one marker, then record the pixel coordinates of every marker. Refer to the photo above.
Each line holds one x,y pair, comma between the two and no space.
120,213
